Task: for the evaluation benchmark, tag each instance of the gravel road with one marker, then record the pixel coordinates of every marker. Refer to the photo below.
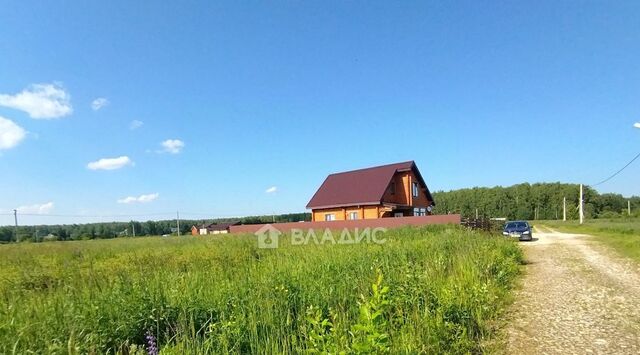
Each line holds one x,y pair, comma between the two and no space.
577,297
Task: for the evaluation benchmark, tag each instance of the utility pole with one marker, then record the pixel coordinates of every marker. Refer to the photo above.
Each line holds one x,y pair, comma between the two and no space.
476,213
564,209
133,228
629,207
580,206
15,230
178,219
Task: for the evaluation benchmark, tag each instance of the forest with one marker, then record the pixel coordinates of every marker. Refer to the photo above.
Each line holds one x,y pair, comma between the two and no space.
542,201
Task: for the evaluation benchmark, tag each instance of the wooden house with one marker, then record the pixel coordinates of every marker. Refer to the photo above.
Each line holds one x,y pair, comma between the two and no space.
394,190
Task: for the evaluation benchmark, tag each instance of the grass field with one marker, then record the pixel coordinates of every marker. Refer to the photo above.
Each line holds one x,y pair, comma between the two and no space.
622,234
427,290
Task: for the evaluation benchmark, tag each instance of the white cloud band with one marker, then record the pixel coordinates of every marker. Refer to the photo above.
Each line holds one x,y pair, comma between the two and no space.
44,208
135,124
99,103
172,146
40,101
110,163
140,199
10,134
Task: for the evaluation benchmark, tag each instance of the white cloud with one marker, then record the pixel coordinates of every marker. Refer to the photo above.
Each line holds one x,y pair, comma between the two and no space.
10,134
44,208
271,190
110,163
135,124
99,103
173,146
637,125
40,101
140,199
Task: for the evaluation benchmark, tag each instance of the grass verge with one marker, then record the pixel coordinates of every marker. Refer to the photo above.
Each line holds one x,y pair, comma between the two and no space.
623,234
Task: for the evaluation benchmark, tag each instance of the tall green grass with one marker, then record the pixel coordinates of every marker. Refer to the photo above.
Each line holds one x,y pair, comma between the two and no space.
426,290
622,234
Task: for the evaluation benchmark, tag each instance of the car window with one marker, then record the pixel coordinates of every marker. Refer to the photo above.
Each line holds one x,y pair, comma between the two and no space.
517,225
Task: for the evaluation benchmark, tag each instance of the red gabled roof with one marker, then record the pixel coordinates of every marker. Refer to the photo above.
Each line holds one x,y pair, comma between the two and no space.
216,226
359,187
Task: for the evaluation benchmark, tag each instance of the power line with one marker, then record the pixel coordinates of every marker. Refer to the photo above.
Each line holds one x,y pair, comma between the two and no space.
214,215
210,215
617,172
94,216
132,216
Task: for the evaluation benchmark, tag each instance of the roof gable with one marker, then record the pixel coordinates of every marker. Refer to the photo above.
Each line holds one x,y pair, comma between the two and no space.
221,226
359,187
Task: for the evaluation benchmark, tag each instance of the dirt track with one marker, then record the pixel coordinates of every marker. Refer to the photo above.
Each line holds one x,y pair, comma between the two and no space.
577,297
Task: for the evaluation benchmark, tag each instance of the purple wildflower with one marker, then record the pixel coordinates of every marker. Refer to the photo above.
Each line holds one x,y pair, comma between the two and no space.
152,347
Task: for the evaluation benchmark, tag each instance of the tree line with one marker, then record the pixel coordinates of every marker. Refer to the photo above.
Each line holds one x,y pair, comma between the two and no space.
532,201
128,229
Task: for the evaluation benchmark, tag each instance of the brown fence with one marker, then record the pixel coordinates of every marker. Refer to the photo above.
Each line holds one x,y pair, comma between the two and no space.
484,224
357,223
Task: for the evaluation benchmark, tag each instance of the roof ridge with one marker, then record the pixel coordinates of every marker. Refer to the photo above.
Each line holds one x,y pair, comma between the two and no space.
372,167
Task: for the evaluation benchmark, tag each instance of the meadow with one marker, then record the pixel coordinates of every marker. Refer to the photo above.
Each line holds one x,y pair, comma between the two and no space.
437,289
621,234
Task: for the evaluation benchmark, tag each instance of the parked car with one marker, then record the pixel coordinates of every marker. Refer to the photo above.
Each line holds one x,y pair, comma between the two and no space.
518,229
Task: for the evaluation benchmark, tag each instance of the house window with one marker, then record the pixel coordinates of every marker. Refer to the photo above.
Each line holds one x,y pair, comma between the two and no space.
353,215
419,211
329,217
398,214
415,189
392,188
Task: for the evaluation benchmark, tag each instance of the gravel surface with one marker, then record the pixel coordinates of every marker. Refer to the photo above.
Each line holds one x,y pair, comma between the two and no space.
577,297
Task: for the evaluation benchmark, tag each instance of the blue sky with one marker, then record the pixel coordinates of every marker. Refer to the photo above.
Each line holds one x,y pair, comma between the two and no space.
247,96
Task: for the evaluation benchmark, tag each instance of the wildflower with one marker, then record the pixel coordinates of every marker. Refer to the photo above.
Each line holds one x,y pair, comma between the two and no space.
152,347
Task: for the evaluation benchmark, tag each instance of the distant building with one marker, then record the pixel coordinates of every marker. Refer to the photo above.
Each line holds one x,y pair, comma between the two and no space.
394,190
212,228
49,237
